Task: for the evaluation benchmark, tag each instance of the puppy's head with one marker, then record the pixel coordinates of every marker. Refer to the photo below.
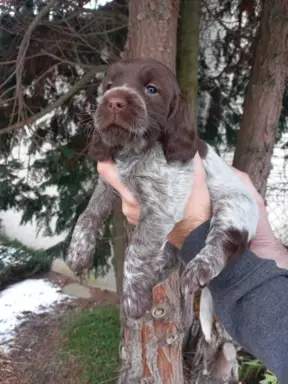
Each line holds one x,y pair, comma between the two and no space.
141,104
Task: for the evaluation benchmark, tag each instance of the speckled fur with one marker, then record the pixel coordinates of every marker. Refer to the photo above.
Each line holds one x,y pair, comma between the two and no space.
160,176
162,190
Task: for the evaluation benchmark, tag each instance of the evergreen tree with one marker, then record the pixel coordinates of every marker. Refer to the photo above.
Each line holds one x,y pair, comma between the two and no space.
66,50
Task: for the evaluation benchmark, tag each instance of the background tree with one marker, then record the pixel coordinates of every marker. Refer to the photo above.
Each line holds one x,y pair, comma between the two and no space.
160,20
264,96
54,78
188,50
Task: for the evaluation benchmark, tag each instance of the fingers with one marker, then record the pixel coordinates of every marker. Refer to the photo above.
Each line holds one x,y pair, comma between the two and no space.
198,207
130,206
108,171
199,200
246,178
199,173
131,211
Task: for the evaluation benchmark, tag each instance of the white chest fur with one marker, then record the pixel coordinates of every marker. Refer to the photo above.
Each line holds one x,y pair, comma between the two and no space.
154,182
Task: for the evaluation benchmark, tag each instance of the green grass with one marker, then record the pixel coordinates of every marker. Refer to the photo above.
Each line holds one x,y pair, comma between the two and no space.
252,369
92,338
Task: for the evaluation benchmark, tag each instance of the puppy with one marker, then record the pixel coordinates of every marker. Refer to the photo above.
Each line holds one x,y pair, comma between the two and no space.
144,124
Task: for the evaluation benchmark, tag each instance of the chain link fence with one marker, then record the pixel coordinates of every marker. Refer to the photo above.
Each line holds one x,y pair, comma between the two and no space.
277,191
277,188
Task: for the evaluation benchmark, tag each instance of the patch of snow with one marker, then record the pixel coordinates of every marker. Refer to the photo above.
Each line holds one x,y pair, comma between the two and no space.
13,256
6,254
36,296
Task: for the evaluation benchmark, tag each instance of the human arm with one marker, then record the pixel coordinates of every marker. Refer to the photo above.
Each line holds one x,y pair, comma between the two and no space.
250,300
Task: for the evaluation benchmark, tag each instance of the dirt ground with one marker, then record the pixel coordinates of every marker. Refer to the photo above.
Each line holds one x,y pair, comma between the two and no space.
34,358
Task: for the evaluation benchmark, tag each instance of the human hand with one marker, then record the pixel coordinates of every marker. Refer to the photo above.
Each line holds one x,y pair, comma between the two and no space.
130,206
265,244
198,210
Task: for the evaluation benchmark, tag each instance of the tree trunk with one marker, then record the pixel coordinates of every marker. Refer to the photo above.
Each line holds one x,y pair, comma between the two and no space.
119,244
152,30
188,50
151,349
147,18
168,345
263,101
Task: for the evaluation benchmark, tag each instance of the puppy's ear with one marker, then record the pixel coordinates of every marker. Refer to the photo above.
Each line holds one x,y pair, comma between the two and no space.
179,139
98,150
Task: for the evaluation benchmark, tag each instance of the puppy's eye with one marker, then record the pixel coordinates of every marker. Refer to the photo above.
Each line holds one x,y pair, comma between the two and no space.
109,86
151,89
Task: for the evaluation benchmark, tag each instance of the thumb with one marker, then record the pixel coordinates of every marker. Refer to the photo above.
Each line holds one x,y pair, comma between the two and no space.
199,170
108,171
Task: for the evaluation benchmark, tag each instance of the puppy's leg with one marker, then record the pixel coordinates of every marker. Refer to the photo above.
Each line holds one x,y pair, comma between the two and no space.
83,242
233,225
145,260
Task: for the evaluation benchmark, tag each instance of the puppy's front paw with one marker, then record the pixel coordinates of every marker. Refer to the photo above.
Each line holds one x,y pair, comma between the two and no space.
136,300
78,262
81,251
197,274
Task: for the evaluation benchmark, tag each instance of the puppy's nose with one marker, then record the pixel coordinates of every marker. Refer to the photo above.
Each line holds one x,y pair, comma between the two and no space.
116,104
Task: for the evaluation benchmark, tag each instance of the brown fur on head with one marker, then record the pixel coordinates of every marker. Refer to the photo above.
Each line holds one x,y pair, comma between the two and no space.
142,104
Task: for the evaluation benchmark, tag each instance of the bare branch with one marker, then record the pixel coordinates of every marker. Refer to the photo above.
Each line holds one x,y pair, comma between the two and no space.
62,61
23,49
62,99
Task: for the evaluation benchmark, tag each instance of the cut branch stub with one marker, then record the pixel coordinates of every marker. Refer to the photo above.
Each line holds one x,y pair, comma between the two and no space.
226,361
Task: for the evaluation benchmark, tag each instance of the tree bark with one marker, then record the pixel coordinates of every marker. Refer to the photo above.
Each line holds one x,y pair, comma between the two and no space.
119,244
263,101
153,30
151,350
188,50
147,19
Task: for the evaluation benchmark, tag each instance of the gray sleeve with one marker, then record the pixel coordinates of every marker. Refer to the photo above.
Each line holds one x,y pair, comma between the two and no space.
251,299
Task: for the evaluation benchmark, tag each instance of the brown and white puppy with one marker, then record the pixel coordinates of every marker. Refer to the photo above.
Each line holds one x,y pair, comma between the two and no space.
144,123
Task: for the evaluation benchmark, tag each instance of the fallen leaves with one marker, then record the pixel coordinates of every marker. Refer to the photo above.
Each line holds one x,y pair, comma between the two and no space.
8,372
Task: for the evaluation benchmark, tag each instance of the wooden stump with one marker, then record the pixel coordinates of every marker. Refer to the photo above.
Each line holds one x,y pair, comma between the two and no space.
167,346
151,350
